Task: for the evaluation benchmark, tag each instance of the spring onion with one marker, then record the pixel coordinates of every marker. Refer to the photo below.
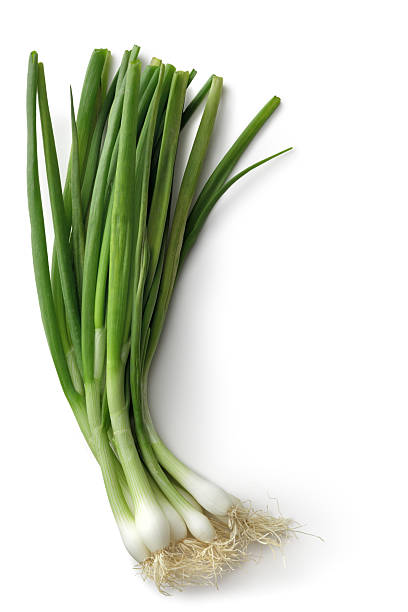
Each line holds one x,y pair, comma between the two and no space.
105,292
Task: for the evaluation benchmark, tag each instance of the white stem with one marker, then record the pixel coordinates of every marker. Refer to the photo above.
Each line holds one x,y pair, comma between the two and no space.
132,540
152,525
178,529
187,496
209,495
199,525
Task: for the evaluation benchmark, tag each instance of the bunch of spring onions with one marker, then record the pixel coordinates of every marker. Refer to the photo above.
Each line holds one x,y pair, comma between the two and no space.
105,291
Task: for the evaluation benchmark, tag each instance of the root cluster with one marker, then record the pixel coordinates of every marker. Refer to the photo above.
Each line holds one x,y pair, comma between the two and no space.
194,563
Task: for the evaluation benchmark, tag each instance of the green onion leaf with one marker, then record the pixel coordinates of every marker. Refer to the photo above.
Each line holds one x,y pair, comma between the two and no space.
192,235
61,225
185,197
78,238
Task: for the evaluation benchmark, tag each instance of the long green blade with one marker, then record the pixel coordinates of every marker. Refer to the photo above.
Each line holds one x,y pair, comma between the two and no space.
94,148
123,217
101,282
87,114
146,98
143,166
191,237
196,101
230,159
164,177
96,218
78,236
61,225
185,197
38,239
87,111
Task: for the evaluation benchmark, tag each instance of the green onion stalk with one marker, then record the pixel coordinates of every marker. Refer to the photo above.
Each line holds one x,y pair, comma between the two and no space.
105,292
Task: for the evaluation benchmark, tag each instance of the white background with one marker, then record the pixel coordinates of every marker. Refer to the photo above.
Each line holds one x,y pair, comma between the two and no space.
283,369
